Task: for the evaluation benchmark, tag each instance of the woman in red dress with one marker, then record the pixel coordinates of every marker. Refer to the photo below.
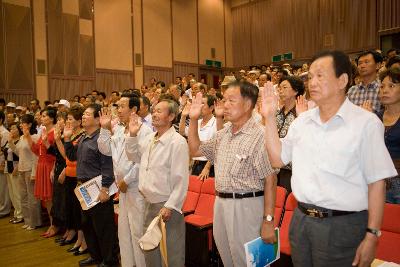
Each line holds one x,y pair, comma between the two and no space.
43,184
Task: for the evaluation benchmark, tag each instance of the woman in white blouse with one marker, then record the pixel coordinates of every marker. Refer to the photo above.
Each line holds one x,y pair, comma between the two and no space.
27,168
207,130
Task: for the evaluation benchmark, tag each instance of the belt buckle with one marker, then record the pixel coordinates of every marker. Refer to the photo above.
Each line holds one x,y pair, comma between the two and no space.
314,213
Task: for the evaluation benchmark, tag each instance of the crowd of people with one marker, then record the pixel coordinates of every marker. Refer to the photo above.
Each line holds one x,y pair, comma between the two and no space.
328,130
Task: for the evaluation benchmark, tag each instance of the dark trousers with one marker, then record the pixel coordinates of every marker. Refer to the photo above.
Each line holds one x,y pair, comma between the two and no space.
284,178
326,242
100,232
198,166
73,207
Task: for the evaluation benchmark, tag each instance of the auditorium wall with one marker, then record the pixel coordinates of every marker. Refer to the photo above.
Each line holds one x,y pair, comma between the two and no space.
266,28
67,47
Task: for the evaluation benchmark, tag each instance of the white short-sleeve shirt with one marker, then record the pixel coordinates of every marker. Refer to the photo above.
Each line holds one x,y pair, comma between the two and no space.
333,162
205,133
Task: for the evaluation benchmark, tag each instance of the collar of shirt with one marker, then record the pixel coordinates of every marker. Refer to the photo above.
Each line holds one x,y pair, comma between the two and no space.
246,128
147,118
165,136
344,113
93,134
372,86
209,123
282,111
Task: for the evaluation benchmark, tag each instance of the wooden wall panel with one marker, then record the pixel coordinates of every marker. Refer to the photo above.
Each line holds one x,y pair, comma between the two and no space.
160,73
265,28
67,87
18,97
352,31
71,44
113,80
388,14
182,69
241,36
19,50
2,51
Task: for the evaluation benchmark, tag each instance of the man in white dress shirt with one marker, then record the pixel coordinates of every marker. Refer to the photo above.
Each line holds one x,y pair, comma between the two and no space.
131,210
339,163
144,112
163,178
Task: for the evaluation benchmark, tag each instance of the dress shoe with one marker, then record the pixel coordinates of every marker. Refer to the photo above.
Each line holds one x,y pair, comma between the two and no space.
79,252
12,219
107,265
59,239
88,261
16,220
68,242
73,249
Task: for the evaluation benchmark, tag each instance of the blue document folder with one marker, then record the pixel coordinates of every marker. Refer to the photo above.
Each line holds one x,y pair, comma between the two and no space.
260,254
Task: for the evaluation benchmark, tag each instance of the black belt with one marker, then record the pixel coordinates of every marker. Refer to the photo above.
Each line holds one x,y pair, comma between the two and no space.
239,195
318,212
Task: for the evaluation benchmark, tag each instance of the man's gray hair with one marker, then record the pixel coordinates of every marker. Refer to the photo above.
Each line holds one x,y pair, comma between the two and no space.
173,107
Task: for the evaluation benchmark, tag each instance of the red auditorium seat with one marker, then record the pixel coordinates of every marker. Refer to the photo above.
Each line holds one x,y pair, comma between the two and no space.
204,212
290,206
279,204
199,241
389,242
193,195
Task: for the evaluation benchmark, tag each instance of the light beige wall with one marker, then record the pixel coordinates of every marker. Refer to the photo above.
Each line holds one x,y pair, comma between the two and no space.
184,23
40,40
113,34
211,30
157,33
228,34
137,40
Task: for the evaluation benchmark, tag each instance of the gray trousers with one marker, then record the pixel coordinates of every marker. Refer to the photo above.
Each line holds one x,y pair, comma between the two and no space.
5,202
175,228
30,206
236,222
326,242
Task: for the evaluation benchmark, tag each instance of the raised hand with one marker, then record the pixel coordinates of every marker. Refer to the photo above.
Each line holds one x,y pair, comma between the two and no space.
25,130
367,105
269,101
134,124
301,105
57,133
186,109
68,130
105,118
197,105
219,108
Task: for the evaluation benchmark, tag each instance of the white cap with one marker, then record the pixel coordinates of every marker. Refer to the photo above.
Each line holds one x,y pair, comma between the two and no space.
11,105
19,108
64,102
253,72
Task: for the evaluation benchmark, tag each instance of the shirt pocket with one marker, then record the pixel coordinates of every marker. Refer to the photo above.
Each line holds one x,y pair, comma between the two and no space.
238,165
339,161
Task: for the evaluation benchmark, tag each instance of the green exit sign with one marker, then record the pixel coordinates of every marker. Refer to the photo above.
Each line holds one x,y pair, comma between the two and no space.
277,58
288,56
209,62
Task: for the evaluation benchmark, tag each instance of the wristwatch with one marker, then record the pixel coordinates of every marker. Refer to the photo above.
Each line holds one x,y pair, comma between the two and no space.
268,218
375,232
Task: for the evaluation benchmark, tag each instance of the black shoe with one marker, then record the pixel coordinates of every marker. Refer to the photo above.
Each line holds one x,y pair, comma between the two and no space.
73,249
78,252
107,265
88,261
12,219
16,220
67,242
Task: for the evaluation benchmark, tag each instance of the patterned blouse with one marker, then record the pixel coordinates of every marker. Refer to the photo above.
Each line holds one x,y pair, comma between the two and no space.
283,122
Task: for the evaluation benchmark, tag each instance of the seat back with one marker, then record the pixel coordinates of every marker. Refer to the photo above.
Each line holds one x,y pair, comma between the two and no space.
389,242
205,205
193,194
290,206
279,204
